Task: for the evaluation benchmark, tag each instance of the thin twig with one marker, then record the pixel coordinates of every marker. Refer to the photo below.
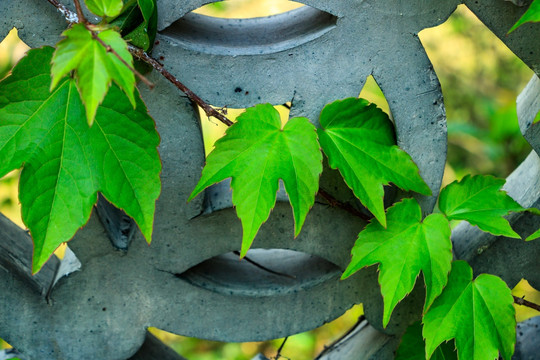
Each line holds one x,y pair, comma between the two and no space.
336,203
338,340
80,13
69,15
210,111
256,264
523,302
112,51
278,354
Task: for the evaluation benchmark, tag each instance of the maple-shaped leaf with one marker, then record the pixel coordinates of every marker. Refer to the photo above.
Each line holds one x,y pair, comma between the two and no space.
480,201
95,67
531,15
407,246
65,162
534,235
478,313
358,139
413,347
256,152
105,8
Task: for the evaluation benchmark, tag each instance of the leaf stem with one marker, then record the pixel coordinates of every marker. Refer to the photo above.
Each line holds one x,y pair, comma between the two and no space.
80,13
332,201
523,302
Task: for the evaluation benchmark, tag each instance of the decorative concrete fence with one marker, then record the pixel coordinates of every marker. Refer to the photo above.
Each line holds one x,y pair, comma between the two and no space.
188,282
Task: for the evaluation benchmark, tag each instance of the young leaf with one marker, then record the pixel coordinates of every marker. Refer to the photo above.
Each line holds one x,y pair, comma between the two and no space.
256,152
103,8
413,347
478,313
65,162
94,66
358,139
534,236
480,201
531,15
407,246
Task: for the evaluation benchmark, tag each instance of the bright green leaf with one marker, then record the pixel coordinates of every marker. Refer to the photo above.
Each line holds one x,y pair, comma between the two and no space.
95,68
531,15
256,152
412,346
65,162
534,236
358,139
478,313
103,8
480,201
407,246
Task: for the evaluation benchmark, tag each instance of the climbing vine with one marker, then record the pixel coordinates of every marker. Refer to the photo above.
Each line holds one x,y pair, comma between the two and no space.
72,118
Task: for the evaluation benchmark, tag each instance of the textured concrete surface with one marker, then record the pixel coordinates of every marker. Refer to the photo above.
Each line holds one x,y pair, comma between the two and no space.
118,294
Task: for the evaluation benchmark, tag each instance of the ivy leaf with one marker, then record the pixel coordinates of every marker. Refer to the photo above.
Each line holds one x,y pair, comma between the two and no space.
478,313
144,34
531,15
480,201
413,347
66,162
534,236
407,246
256,152
103,8
358,139
95,68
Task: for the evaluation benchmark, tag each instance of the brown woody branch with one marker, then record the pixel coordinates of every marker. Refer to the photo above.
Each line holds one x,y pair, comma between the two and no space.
80,13
332,201
523,302
71,18
210,111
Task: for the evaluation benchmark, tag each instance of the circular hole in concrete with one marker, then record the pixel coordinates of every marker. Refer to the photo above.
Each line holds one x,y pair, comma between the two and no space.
251,36
262,273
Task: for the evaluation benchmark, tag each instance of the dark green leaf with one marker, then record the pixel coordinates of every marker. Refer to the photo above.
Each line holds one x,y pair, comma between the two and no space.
412,346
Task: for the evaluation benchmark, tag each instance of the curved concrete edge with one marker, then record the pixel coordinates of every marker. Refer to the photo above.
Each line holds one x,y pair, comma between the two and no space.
528,106
363,343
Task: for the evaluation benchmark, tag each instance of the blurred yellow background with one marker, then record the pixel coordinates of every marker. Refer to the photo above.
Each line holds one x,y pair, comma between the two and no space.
480,79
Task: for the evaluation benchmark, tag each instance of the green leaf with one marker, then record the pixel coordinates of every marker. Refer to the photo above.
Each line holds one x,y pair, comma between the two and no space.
534,236
478,313
358,139
531,15
103,8
407,246
144,34
66,162
256,152
95,68
413,347
480,201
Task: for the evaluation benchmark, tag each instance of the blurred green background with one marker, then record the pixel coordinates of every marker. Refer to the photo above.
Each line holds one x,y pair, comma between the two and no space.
480,79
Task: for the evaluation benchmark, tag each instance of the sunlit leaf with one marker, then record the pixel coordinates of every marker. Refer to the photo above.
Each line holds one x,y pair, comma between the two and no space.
480,201
95,68
359,140
478,313
256,152
531,15
105,8
407,246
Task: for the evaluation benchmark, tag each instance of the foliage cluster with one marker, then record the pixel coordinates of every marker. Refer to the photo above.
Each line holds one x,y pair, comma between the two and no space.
64,112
